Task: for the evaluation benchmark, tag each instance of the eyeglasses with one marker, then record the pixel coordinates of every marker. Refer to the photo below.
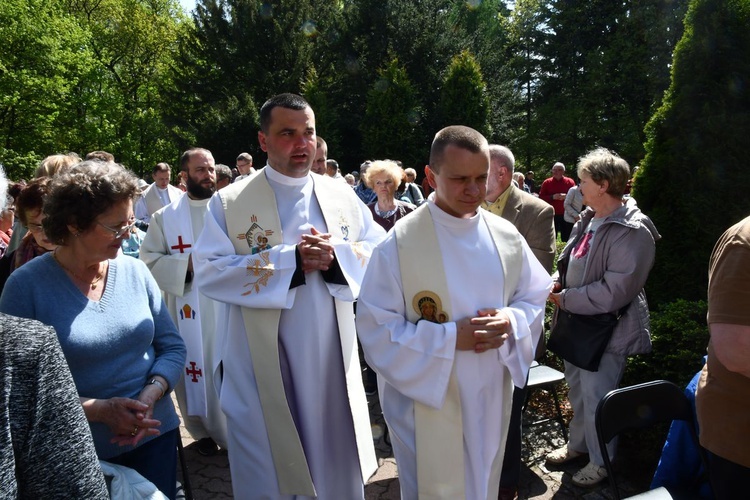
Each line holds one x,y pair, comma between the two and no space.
35,228
117,233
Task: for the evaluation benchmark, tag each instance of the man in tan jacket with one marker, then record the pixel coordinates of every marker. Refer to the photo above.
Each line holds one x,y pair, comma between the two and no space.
534,219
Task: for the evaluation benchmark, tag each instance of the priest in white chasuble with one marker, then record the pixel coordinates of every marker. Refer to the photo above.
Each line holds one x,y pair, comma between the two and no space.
286,251
158,195
167,251
449,313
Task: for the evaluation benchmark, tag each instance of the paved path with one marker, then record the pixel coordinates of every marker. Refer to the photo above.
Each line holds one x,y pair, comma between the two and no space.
211,480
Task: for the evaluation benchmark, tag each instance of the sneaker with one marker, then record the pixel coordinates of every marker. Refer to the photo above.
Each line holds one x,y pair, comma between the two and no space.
590,475
563,455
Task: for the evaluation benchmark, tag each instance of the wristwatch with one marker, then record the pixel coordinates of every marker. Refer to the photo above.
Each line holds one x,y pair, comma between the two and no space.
158,384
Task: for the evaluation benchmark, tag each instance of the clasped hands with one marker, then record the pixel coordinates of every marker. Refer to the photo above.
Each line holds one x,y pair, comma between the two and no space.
130,420
488,330
316,251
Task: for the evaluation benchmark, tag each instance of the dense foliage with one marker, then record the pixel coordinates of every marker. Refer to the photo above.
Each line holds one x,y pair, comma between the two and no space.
463,96
143,80
679,336
83,75
693,182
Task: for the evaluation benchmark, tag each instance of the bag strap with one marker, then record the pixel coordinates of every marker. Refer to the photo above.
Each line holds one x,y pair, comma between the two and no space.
562,267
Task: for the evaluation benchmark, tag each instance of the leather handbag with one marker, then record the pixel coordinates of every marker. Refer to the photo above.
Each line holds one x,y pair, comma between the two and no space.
581,339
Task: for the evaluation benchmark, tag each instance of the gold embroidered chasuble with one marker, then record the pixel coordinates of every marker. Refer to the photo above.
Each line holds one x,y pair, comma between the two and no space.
438,432
253,226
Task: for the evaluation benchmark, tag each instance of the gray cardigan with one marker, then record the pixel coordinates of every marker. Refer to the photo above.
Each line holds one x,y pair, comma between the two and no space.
620,258
46,450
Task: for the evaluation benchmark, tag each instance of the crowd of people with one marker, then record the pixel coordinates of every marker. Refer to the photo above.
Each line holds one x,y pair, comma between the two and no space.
235,288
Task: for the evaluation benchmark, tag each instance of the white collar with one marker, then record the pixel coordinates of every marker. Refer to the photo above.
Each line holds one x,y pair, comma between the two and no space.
276,176
445,219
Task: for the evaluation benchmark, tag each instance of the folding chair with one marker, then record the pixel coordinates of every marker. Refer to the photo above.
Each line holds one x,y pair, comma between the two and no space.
638,407
546,378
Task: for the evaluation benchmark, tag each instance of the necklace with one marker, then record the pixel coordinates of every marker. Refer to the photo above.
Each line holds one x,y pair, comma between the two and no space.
92,284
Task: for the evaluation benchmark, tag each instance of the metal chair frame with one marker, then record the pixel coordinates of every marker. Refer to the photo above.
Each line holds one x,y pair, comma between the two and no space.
546,378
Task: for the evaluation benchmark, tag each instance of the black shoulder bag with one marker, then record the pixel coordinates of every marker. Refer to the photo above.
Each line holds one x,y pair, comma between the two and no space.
581,339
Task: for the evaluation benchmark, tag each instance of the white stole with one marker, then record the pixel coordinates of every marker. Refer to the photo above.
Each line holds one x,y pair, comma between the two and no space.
178,231
439,432
253,225
153,201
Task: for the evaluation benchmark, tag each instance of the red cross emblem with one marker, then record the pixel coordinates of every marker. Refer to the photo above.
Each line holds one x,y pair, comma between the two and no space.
180,245
193,372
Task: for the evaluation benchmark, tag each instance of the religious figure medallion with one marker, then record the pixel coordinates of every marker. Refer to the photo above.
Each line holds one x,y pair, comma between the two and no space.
344,226
429,307
256,237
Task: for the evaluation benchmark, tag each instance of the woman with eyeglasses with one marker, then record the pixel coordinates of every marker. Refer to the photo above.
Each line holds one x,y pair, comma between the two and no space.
122,347
35,243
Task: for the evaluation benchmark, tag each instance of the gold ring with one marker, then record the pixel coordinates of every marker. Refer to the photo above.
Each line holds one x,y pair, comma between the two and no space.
135,431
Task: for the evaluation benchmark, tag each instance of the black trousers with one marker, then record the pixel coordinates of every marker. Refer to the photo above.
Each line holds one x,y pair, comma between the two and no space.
728,479
562,227
511,473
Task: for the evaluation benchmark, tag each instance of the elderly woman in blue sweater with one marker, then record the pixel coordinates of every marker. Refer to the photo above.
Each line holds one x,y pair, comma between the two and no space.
122,347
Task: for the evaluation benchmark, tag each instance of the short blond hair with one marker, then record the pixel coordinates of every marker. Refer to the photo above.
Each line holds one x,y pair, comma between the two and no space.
56,164
388,167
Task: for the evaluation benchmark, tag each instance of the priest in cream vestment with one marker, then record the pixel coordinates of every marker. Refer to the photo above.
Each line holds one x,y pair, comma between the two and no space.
158,195
286,251
449,315
166,250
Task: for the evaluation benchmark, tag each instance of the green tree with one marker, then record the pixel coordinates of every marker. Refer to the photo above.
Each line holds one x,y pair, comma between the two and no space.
241,53
527,34
482,29
118,103
463,96
41,61
602,74
393,112
693,182
373,33
679,336
313,90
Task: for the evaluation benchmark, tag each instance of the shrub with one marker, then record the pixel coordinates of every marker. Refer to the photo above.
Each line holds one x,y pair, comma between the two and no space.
693,182
679,335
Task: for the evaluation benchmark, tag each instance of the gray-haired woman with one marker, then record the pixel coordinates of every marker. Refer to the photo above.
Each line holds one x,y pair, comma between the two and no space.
604,267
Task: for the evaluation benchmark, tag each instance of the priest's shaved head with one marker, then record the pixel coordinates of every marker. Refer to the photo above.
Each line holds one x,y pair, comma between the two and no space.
459,136
287,101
